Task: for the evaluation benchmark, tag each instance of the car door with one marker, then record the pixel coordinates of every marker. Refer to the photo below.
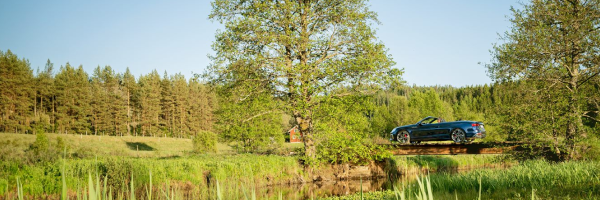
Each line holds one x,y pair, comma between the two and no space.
442,131
425,131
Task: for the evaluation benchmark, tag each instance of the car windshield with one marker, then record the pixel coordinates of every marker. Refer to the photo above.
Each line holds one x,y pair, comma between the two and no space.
432,120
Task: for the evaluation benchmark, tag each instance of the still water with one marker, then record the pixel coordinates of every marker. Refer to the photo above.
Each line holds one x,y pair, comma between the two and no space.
322,189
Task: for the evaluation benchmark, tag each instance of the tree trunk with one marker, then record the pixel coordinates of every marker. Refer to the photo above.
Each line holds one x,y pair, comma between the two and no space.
574,117
305,125
128,113
35,105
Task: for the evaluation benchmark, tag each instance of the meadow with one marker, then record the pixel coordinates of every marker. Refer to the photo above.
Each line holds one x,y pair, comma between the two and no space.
168,164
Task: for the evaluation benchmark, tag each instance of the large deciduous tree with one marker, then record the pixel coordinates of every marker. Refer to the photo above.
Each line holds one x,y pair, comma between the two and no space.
552,53
300,51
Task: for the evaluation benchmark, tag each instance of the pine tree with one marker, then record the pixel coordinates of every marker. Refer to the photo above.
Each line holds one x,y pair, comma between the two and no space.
148,97
180,92
98,104
129,87
44,96
167,106
17,93
72,100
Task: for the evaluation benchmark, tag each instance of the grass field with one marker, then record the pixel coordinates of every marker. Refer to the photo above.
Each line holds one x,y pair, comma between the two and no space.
171,161
116,145
130,146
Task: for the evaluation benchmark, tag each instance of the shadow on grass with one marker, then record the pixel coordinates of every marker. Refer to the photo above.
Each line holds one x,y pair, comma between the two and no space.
169,157
139,146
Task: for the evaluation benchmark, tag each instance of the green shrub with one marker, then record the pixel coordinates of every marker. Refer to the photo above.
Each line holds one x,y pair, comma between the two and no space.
41,144
343,134
592,148
12,150
348,147
254,125
43,151
205,142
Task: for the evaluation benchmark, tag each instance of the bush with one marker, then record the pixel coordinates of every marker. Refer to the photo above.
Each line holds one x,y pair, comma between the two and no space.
205,142
344,135
254,125
41,144
592,148
343,147
43,151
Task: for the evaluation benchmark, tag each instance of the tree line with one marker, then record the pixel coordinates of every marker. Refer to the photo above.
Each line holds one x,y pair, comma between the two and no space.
105,103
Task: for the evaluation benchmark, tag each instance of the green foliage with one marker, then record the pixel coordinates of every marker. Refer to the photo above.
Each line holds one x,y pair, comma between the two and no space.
16,91
205,142
550,58
107,103
430,104
42,150
343,133
300,52
41,144
593,148
72,100
389,111
252,124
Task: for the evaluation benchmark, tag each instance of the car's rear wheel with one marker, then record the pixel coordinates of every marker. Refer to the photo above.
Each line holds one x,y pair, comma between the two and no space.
458,136
403,137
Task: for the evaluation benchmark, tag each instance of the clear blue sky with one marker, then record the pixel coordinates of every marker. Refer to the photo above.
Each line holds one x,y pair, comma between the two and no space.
436,42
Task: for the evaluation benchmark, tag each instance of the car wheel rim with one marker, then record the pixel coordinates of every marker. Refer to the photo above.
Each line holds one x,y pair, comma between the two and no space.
404,137
458,136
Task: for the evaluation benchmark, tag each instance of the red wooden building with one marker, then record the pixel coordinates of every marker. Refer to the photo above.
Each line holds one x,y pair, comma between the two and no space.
295,135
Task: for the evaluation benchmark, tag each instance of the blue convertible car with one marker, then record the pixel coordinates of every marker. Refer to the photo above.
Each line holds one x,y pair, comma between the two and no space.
436,129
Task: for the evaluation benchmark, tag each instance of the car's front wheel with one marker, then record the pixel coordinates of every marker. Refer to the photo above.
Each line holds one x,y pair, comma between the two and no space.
403,137
458,136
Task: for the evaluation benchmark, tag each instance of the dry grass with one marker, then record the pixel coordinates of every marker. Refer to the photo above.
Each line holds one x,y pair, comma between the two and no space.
116,145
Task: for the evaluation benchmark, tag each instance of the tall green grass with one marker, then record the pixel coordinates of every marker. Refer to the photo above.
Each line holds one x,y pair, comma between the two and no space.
450,162
529,180
193,175
577,178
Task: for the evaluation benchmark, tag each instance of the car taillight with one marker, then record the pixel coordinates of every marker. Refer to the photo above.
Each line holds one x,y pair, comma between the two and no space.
474,125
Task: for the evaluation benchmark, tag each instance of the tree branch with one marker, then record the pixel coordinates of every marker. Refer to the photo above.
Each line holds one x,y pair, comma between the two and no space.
258,115
590,117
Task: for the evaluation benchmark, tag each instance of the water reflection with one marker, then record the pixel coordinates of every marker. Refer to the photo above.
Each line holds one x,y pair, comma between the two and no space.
328,189
321,189
336,188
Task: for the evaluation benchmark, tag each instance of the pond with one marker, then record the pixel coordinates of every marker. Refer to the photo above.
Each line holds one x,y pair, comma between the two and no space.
326,189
